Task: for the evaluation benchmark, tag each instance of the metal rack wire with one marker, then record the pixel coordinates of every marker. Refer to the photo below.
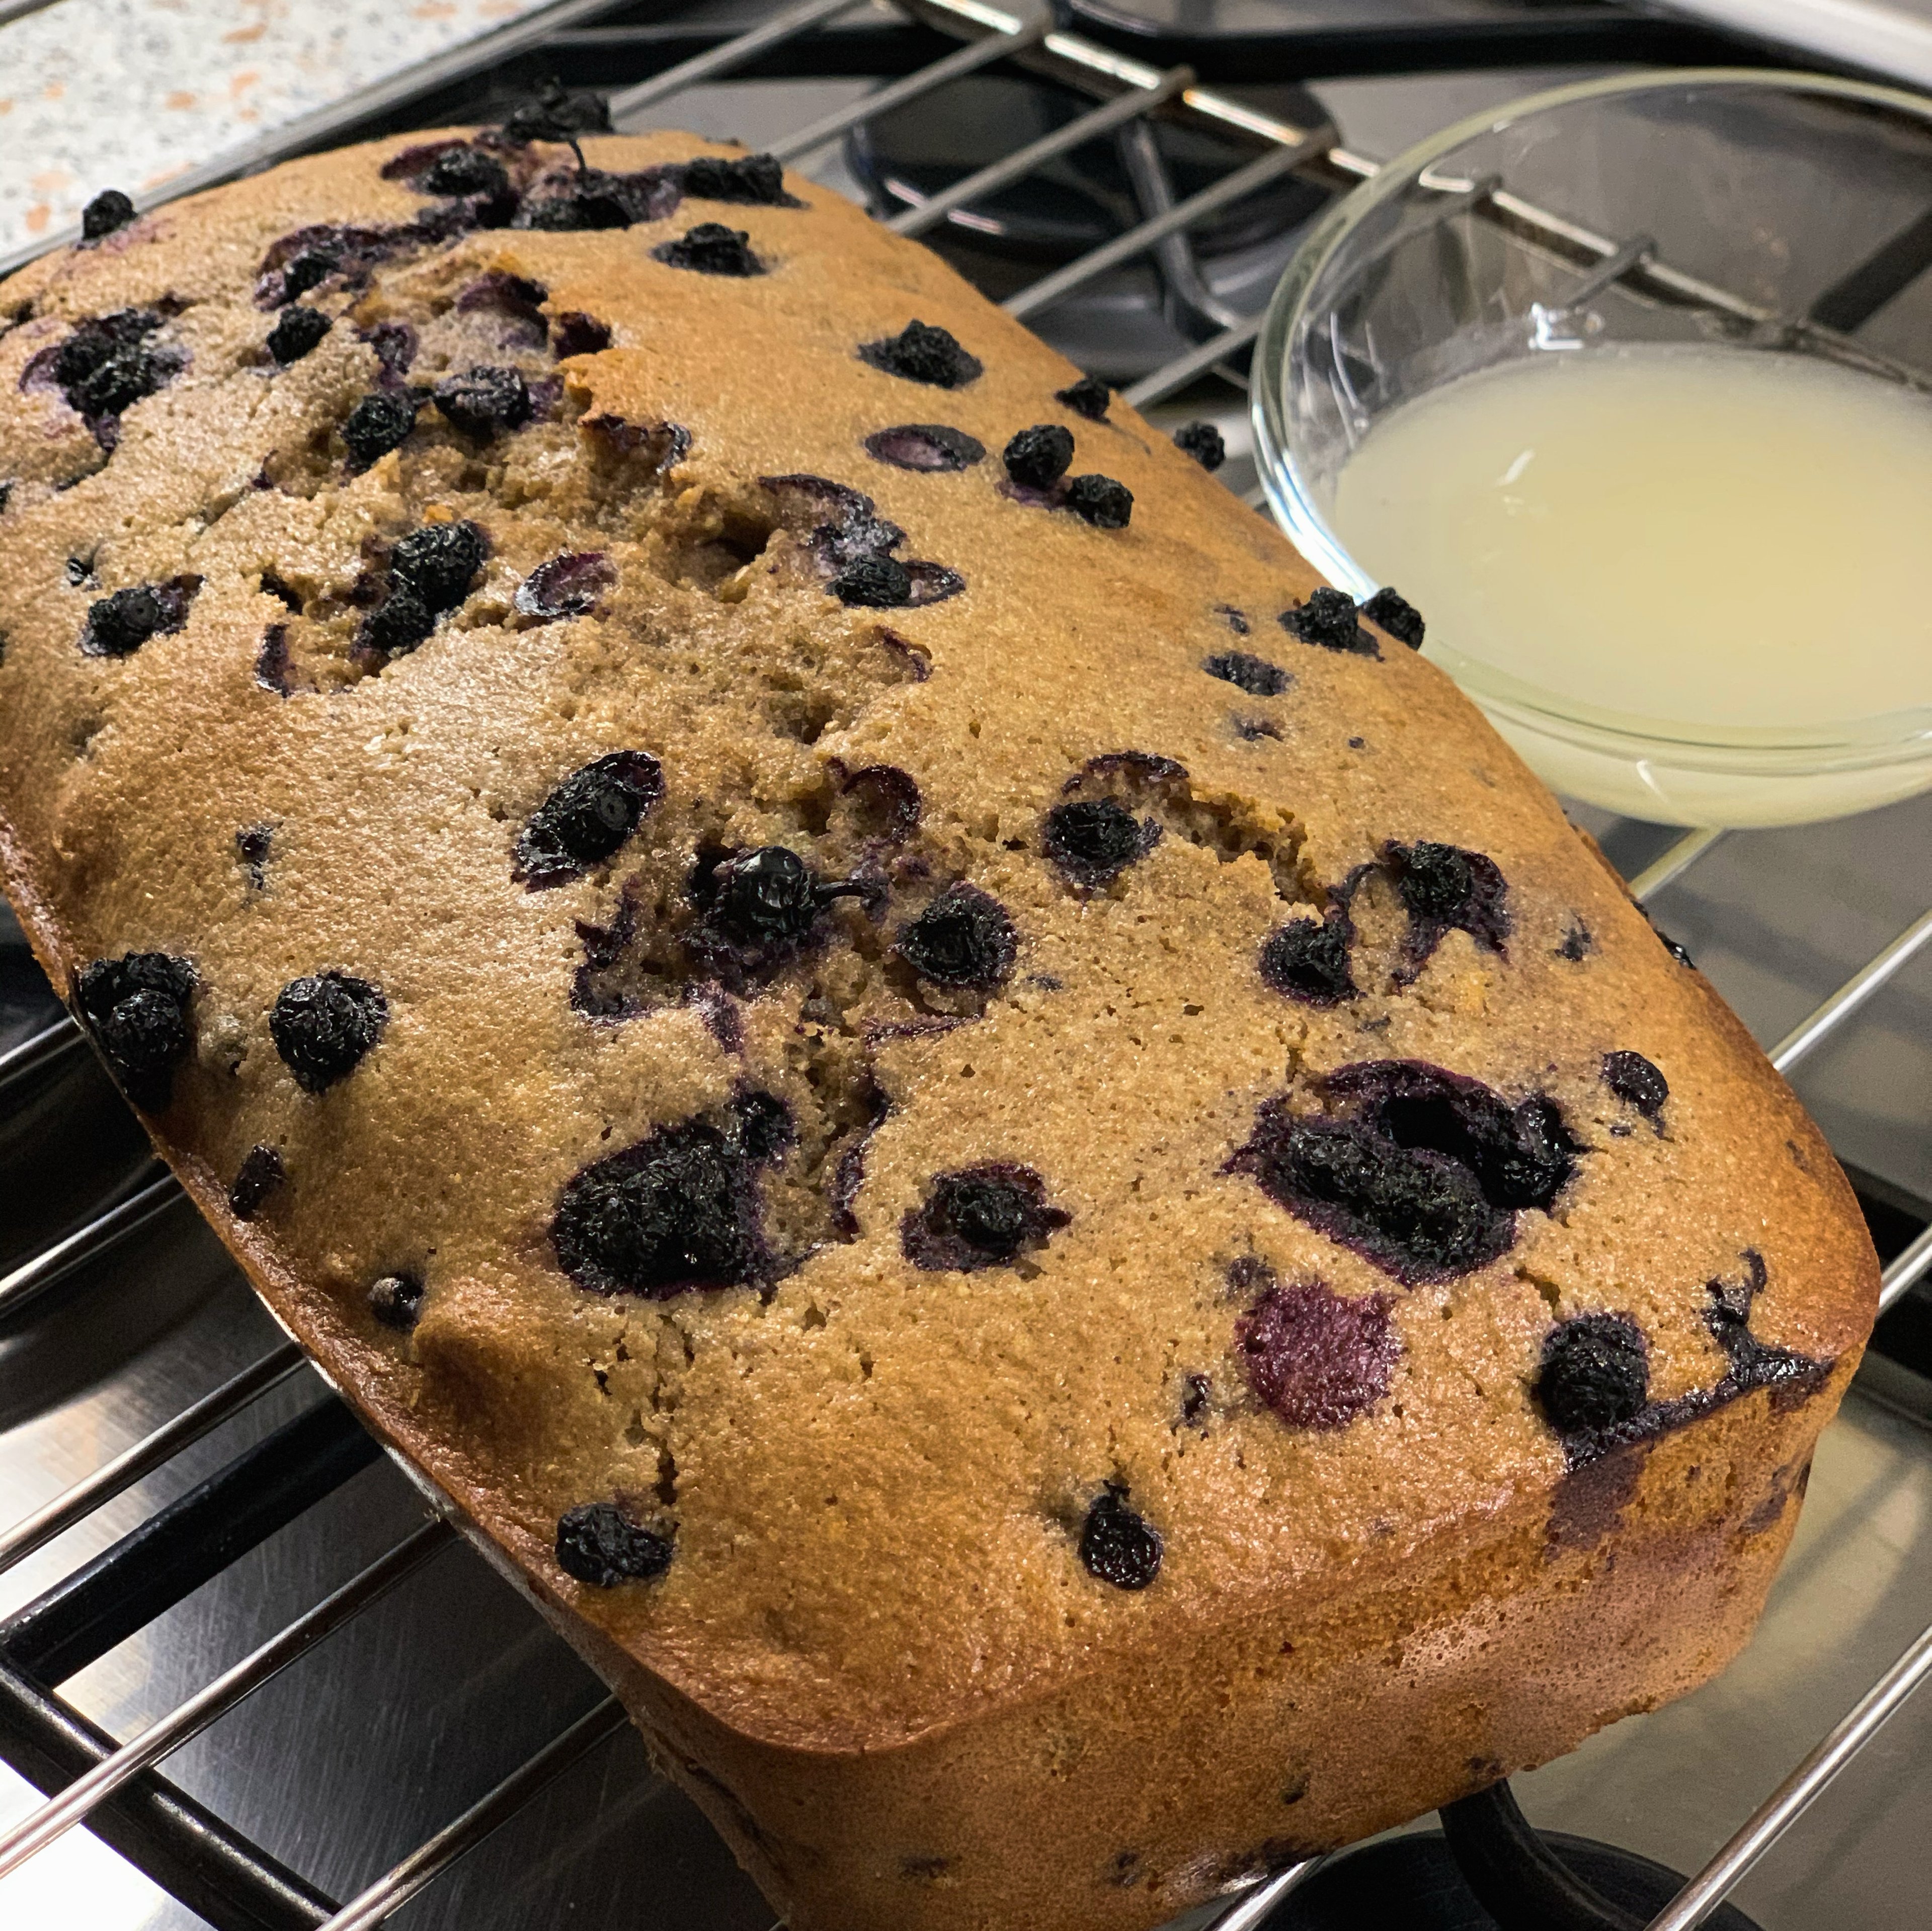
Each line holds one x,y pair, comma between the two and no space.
114,1786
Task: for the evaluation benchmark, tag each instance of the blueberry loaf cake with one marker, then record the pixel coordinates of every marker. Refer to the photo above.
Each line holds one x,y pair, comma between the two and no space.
985,1134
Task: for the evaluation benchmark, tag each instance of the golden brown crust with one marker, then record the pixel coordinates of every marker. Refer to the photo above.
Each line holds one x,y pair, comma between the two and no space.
876,1473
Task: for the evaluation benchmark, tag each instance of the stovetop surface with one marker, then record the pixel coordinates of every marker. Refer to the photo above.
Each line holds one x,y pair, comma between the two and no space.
344,1763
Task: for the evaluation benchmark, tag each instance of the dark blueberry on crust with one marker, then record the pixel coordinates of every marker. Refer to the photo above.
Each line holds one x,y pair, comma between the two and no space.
395,345
676,1213
587,209
323,1026
1317,1359
1397,615
929,446
109,210
755,180
396,1300
983,1216
1117,1545
600,1545
1095,839
108,364
920,353
874,583
395,628
565,586
963,938
309,269
1420,1171
1443,887
1037,458
252,845
136,1007
588,817
260,1173
1576,943
1595,1373
885,802
439,561
1255,674
1328,618
574,333
555,113
381,422
273,670
296,331
711,249
1237,620
118,626
1100,501
1635,1081
762,1125
1202,441
483,401
768,895
1308,959
464,171
1089,397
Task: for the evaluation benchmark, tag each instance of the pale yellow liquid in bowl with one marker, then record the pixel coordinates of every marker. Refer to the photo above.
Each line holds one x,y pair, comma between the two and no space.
1700,537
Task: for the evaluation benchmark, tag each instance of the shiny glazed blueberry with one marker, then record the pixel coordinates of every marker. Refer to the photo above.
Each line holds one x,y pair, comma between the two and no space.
588,817
323,1026
1118,1547
136,1006
296,331
963,938
1635,1081
260,1173
565,586
396,1301
1100,501
600,1545
921,353
1037,458
1595,1372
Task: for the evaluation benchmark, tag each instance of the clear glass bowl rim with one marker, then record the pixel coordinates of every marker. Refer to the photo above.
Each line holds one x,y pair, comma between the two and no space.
1884,738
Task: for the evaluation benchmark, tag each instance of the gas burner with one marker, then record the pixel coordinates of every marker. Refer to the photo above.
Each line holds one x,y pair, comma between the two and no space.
1122,325
1528,1881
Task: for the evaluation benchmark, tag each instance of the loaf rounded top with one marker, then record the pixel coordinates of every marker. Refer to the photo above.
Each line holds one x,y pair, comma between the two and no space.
833,987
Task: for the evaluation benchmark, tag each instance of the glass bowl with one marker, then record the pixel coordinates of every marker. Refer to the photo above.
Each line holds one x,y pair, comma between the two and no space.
1782,215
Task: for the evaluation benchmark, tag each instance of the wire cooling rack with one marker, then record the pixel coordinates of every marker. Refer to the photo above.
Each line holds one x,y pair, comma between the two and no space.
113,1786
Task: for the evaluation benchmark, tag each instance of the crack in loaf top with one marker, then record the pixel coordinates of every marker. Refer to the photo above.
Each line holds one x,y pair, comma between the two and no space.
902,1066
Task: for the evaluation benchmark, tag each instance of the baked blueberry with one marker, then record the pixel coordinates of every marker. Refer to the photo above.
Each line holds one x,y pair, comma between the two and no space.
324,1024
983,1216
1328,618
260,1173
381,422
1255,674
136,1007
588,817
565,586
574,333
1118,1547
768,895
1100,501
875,583
600,1545
439,561
1037,458
309,269
886,802
396,1300
1093,840
1397,615
1308,959
464,170
253,844
752,181
762,1125
108,364
929,446
483,401
395,344
109,210
1420,1171
676,1213
585,207
1317,1359
711,249
1635,1081
963,938
1202,441
1595,1373
1443,887
1089,397
296,331
397,624
1577,941
921,353
118,626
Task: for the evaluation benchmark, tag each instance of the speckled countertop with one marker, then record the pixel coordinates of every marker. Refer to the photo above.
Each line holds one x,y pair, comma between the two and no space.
126,93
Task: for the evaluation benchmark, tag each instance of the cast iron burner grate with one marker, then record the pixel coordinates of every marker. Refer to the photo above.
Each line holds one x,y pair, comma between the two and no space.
1176,192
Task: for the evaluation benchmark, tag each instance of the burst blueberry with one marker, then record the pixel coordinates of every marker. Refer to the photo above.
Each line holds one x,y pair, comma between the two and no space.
1093,840
325,1024
1119,1546
308,269
1308,959
109,364
296,331
483,401
1594,1373
983,1216
464,171
600,1545
922,353
1100,501
118,626
1316,1358
963,938
1255,674
588,817
381,422
1037,458
137,1007
711,249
